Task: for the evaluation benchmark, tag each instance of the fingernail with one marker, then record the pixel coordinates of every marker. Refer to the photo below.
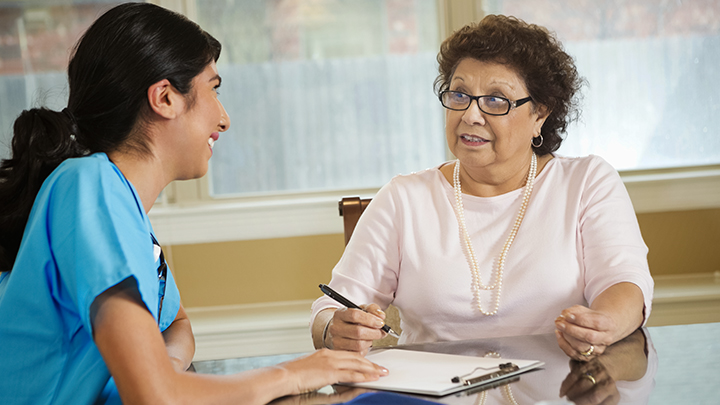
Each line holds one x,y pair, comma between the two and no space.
384,370
379,323
379,312
572,317
561,325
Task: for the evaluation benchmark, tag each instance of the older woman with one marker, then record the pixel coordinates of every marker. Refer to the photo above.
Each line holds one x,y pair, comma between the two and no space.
508,239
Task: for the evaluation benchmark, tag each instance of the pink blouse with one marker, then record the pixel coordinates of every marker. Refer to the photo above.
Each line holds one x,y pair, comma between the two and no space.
579,236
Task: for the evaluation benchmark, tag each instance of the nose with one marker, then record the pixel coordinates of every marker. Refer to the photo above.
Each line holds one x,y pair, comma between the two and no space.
473,115
224,123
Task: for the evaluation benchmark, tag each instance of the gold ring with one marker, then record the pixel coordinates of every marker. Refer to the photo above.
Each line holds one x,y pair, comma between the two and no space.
590,378
588,352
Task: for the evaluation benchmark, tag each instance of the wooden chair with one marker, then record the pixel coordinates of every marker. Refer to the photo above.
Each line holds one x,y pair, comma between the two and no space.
350,209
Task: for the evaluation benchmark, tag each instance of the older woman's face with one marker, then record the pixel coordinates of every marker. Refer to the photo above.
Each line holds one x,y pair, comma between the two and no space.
480,140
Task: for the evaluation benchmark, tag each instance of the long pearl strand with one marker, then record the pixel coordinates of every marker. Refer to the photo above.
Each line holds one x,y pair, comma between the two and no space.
477,281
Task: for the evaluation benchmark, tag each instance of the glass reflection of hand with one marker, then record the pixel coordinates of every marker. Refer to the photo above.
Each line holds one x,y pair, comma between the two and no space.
589,383
342,394
593,382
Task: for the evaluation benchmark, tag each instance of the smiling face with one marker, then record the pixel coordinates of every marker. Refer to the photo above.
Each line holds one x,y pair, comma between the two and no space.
201,124
498,146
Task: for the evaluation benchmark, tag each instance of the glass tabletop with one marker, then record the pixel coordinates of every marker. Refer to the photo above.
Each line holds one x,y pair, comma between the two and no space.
658,365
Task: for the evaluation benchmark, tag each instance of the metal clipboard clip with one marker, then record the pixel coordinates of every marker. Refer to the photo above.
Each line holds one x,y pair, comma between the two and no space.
504,369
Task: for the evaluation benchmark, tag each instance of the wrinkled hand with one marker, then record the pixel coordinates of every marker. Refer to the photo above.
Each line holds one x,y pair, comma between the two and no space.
579,328
326,367
589,383
354,330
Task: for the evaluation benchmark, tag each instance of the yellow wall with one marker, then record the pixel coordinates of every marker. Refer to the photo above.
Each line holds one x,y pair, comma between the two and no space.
682,241
243,272
289,269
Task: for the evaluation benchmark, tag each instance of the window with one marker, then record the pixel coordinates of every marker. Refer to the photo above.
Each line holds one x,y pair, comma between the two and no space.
334,97
652,70
324,94
36,38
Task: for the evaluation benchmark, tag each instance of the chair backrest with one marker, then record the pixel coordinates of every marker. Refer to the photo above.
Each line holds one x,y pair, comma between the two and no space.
350,209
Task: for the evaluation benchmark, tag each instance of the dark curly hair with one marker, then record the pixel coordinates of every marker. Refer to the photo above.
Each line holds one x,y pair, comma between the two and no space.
534,54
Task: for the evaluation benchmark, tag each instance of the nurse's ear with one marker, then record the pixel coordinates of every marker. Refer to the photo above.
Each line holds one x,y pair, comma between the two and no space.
165,100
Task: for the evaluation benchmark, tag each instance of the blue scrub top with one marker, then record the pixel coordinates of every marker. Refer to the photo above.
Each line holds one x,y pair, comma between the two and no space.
87,232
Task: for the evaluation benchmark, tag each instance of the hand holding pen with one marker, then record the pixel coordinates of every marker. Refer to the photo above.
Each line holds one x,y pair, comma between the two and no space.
354,330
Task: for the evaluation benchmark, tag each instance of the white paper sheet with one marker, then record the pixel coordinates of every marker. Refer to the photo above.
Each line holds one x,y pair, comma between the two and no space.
431,373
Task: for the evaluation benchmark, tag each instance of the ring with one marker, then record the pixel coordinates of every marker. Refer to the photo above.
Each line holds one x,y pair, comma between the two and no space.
588,352
590,378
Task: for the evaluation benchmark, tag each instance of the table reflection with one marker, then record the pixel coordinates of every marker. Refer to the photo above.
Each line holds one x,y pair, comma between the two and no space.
624,374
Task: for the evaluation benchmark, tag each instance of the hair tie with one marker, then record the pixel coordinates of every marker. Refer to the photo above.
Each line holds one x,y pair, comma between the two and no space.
73,123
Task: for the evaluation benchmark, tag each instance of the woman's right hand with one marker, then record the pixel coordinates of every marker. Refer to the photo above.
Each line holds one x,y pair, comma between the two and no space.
326,367
354,330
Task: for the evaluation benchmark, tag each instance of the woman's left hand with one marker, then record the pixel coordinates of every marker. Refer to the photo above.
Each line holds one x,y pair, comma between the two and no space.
584,333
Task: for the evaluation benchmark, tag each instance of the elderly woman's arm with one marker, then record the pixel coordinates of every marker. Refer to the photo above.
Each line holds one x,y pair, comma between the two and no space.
617,282
615,314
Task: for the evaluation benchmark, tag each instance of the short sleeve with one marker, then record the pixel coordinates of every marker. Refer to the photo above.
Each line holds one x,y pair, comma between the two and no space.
100,236
613,247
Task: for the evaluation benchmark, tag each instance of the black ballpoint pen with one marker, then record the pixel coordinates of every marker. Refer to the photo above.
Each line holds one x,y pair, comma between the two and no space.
339,298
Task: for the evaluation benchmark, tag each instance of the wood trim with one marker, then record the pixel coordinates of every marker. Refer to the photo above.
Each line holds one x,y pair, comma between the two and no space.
251,330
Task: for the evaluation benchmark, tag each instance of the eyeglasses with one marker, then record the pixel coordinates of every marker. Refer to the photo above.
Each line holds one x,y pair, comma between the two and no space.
162,276
491,105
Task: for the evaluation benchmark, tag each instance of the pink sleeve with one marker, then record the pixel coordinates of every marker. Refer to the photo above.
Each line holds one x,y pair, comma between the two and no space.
612,246
368,270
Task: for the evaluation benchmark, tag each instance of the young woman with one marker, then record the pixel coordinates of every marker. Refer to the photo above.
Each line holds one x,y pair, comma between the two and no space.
89,311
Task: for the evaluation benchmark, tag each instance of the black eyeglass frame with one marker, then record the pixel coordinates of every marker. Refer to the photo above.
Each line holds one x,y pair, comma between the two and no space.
510,103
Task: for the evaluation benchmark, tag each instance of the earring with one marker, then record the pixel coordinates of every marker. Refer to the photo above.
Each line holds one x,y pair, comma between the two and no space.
541,141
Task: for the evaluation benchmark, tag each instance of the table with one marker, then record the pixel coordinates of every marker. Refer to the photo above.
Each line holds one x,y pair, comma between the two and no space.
677,364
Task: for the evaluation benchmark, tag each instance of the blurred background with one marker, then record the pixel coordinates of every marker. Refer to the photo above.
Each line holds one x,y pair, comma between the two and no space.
330,98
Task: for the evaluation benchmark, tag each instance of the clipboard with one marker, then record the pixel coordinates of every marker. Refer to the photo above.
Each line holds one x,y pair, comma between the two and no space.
438,374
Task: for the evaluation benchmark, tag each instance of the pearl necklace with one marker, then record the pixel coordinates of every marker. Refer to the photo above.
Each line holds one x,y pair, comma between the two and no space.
477,282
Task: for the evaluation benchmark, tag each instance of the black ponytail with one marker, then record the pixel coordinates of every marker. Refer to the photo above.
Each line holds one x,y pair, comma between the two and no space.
122,54
43,139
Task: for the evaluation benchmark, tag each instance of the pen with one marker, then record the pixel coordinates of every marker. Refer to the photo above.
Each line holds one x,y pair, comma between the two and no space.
339,298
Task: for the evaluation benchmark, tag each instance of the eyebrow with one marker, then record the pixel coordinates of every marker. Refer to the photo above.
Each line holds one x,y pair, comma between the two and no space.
216,77
503,83
494,82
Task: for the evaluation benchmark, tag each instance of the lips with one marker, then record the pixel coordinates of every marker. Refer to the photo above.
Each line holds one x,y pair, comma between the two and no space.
214,137
473,140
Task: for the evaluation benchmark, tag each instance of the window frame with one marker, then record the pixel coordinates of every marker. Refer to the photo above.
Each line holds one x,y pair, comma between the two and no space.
186,213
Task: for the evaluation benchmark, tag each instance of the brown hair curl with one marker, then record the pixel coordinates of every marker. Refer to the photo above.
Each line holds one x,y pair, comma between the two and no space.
534,54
